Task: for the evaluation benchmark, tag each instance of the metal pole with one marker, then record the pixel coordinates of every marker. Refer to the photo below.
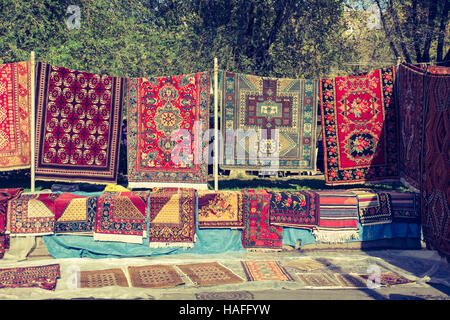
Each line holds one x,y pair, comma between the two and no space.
32,121
216,127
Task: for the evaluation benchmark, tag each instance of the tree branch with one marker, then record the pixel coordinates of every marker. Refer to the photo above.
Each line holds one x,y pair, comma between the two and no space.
388,35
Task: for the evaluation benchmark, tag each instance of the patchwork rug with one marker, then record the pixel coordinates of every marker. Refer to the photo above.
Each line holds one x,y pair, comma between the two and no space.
317,280
338,217
154,276
229,295
410,97
389,279
405,207
359,125
103,278
5,196
121,216
75,214
435,189
277,116
172,217
32,215
167,130
220,209
258,232
44,277
297,209
209,274
15,105
78,125
374,207
265,270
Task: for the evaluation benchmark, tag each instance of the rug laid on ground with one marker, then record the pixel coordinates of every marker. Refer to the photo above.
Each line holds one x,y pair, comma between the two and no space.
306,264
258,232
435,189
265,270
44,277
388,279
209,274
297,209
154,276
410,97
359,126
350,280
75,214
405,207
168,118
374,207
32,215
220,209
5,196
228,295
15,102
338,217
278,116
172,217
103,278
121,216
78,125
316,280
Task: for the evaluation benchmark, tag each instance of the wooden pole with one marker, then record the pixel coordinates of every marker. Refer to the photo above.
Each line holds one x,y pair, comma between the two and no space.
32,121
216,127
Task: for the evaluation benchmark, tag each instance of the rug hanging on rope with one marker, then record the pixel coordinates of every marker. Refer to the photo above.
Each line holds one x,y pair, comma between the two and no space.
359,126
78,125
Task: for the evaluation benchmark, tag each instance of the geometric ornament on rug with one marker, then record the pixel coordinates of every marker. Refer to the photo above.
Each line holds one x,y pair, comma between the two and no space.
121,216
154,276
208,274
265,270
15,105
167,120
78,125
75,214
317,280
43,277
267,120
228,295
103,278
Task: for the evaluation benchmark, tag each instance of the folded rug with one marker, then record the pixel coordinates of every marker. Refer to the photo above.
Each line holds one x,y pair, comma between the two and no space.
154,276
121,216
172,217
359,126
297,209
209,274
220,209
78,125
278,116
338,217
44,277
75,214
405,207
32,215
167,126
5,196
258,233
374,207
15,108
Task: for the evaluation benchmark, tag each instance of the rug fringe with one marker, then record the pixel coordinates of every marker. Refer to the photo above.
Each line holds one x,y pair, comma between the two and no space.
155,245
335,236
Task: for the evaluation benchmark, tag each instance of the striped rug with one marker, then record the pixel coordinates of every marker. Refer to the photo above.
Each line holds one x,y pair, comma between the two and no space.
405,207
338,216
